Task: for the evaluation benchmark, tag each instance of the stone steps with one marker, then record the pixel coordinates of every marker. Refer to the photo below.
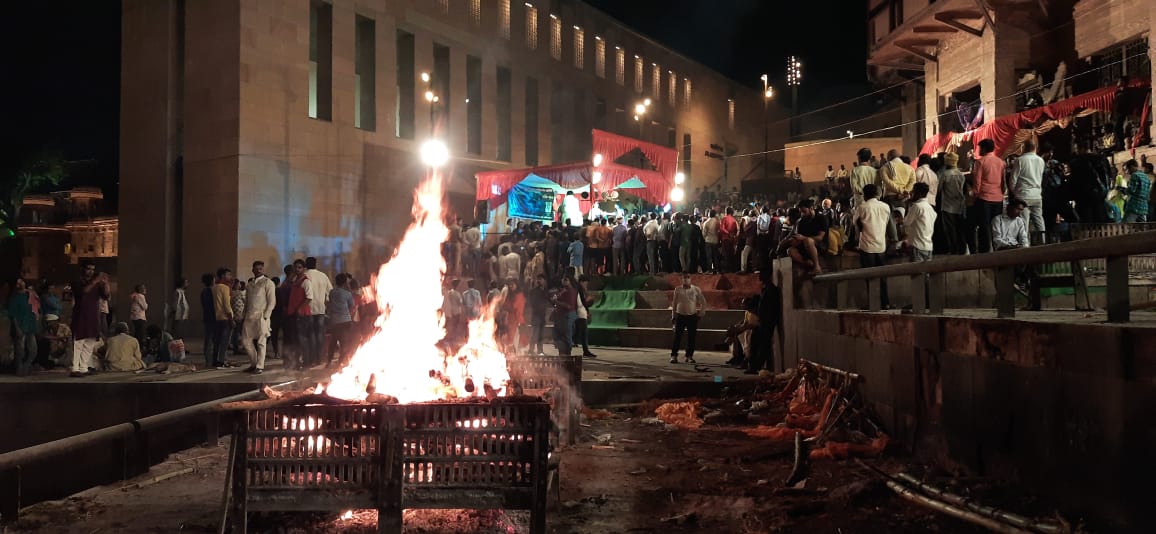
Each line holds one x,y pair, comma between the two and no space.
640,337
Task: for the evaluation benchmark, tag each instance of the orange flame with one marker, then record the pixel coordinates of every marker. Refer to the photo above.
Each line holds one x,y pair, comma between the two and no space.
403,357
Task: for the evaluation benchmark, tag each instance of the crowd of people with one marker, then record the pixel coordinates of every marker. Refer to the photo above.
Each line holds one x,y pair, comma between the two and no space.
539,272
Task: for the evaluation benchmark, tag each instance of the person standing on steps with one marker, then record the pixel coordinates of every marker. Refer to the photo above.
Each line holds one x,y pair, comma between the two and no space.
581,333
687,307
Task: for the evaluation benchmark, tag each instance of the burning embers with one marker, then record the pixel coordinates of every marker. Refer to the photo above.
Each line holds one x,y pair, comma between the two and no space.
406,358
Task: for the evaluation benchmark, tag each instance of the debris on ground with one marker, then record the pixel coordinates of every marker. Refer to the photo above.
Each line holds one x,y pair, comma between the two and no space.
592,414
680,414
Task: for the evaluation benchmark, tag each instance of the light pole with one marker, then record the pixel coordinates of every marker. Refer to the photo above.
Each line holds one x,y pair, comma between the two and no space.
794,78
768,92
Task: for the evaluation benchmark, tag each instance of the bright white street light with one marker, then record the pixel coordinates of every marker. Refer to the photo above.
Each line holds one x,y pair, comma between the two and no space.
597,160
636,117
676,194
425,77
769,93
429,96
679,178
639,109
596,177
850,134
646,102
434,153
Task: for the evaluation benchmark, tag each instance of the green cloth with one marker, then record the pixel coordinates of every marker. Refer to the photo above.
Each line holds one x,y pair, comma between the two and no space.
612,309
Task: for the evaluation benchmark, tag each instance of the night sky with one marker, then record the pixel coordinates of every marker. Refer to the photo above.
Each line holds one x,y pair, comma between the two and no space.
62,73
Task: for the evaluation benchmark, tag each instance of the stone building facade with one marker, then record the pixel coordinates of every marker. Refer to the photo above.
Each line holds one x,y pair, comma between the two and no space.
275,129
58,230
963,50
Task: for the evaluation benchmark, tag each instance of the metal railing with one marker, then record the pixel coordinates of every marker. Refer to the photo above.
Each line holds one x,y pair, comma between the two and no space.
130,440
929,281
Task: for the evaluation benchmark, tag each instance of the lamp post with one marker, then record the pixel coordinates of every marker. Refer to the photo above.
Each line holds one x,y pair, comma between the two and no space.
431,98
640,109
794,78
768,92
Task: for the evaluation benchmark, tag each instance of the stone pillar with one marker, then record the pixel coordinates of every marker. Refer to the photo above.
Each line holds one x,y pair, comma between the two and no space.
1005,49
150,151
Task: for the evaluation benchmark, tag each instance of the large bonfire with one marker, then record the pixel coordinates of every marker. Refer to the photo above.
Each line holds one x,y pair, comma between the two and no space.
404,358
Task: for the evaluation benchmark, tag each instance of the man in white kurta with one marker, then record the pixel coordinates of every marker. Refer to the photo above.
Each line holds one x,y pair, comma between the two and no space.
260,298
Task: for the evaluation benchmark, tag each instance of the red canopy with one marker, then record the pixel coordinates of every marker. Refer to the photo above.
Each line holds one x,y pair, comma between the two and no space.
613,146
495,185
1003,129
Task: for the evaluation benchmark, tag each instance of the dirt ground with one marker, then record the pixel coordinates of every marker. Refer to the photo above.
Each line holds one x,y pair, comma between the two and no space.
626,474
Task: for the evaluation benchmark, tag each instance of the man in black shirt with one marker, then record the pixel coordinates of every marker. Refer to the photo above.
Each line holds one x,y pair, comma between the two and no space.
810,234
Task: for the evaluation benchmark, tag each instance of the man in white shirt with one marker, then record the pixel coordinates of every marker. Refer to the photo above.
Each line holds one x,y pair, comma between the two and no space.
472,242
924,175
1008,229
710,236
861,175
1026,184
317,287
650,232
571,211
510,266
688,304
919,224
260,298
872,219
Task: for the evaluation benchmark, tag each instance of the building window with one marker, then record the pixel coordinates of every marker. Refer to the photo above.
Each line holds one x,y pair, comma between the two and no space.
404,109
671,137
599,57
638,74
555,37
531,27
558,122
600,113
620,65
686,93
579,48
444,6
474,105
731,113
672,89
365,72
531,122
656,80
440,85
504,19
505,105
476,12
320,60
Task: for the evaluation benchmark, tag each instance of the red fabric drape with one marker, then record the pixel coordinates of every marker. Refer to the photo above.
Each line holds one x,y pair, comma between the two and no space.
1003,129
613,146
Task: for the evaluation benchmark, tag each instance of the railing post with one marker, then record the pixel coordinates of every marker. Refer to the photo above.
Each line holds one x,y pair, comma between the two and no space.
1119,305
1005,292
937,293
919,294
213,429
843,291
874,295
